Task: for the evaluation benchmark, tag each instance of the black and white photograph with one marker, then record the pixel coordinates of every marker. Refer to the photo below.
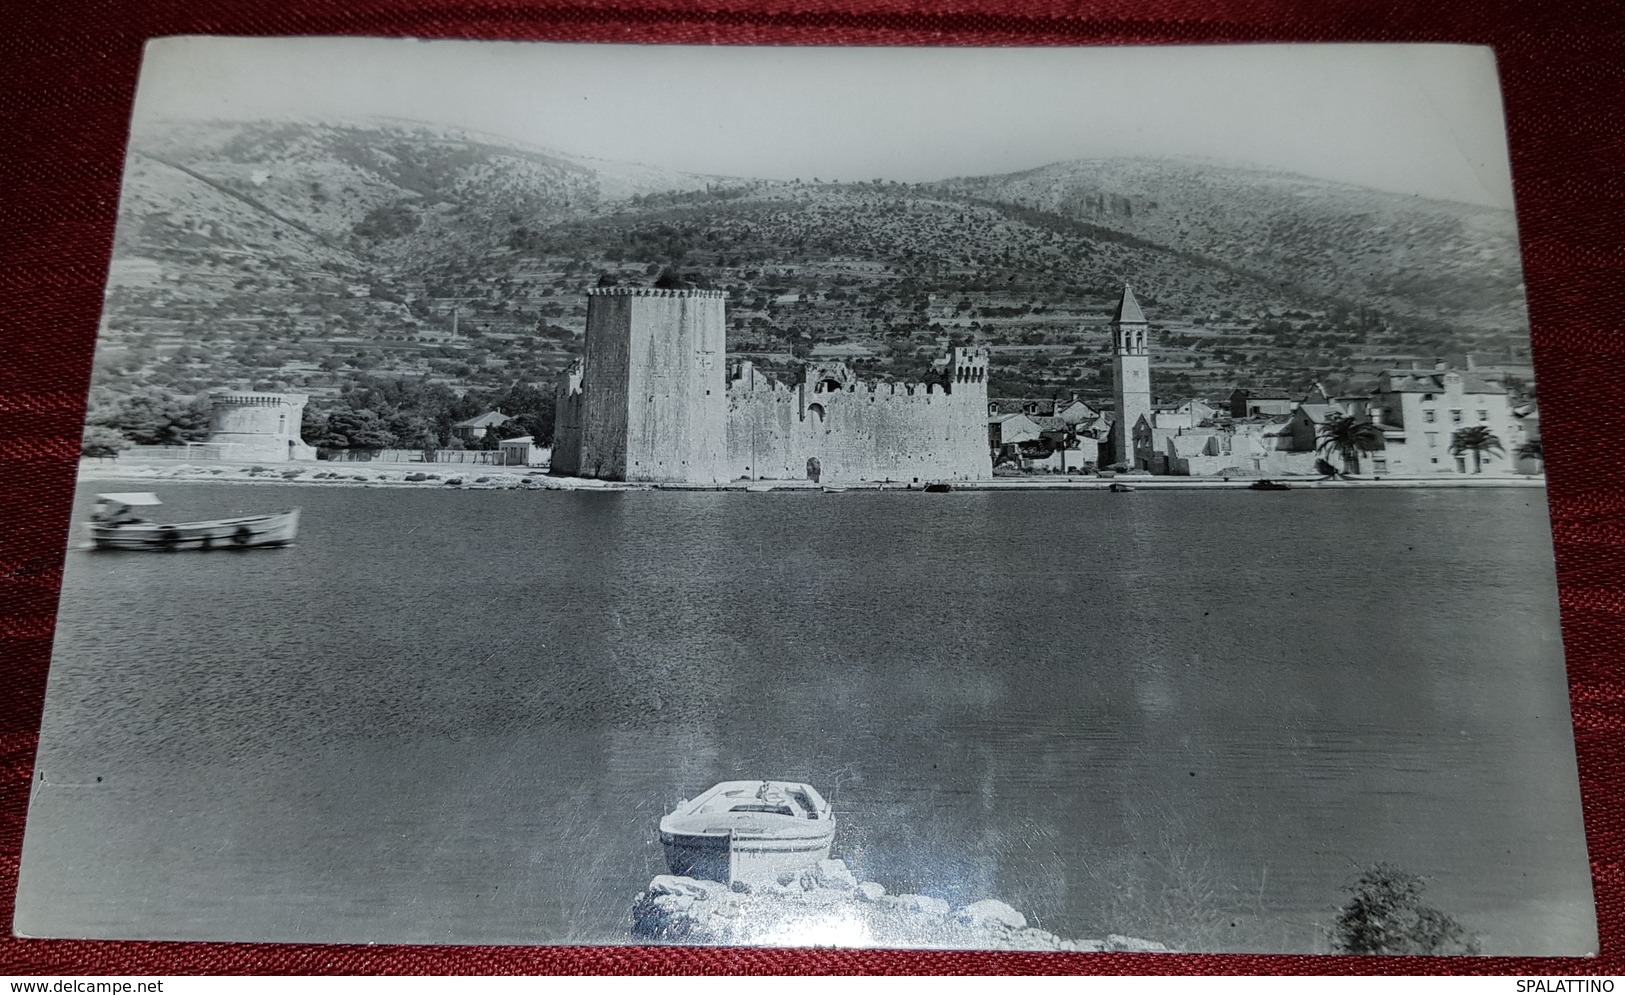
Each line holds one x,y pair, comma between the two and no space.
1055,499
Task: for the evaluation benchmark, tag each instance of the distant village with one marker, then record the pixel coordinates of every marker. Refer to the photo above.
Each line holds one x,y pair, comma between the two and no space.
654,398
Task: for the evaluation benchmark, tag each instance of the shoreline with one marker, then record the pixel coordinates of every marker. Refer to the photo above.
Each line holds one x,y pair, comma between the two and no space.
827,906
485,477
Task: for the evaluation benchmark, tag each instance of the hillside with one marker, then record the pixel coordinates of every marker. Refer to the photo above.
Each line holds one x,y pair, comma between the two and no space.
1451,262
318,257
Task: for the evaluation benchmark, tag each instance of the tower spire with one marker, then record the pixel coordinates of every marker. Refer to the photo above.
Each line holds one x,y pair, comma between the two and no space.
1128,309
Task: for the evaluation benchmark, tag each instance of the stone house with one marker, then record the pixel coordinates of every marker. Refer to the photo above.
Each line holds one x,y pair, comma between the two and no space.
522,451
1011,430
1250,402
474,429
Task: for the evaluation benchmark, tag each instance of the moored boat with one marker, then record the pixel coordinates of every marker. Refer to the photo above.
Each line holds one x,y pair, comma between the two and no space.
938,488
750,831
115,525
1268,485
1120,488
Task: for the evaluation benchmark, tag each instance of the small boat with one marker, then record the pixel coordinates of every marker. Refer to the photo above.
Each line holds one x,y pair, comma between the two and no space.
1120,488
834,490
114,525
1268,485
749,831
938,488
758,488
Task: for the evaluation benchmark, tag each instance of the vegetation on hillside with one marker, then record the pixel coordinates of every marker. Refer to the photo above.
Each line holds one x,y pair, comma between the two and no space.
314,258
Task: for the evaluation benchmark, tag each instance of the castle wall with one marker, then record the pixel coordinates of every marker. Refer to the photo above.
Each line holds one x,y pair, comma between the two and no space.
649,402
861,431
567,398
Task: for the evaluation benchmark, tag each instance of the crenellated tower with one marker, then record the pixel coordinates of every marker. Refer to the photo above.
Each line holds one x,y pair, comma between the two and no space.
1131,376
253,425
967,369
653,404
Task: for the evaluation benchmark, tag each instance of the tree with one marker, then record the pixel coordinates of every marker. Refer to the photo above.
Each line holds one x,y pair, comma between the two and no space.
154,418
1532,450
1478,440
1385,915
100,440
1344,436
348,428
312,425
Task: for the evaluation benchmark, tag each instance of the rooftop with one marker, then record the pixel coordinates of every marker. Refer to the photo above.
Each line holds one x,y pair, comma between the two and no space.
1432,381
1128,309
487,420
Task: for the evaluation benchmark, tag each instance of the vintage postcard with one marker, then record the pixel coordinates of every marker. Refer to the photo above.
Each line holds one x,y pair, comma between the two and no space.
1054,499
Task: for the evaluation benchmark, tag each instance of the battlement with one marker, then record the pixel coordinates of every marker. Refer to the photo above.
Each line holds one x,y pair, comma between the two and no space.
837,379
255,399
654,292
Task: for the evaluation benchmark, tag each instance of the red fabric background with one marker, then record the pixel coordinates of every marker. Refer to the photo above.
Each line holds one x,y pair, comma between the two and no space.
67,77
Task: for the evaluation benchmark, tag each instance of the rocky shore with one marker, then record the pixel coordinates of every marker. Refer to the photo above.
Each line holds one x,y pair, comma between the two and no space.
826,906
472,476
486,477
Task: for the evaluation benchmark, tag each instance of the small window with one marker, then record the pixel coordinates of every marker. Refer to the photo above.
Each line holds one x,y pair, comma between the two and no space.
1455,416
1427,397
1434,459
1430,416
1483,414
1433,441
1379,466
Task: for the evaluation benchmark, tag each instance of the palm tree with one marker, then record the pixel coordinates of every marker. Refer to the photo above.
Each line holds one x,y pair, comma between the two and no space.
1347,438
1531,450
1478,440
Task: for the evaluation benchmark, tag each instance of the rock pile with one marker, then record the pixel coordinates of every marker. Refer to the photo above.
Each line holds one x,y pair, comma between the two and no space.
827,906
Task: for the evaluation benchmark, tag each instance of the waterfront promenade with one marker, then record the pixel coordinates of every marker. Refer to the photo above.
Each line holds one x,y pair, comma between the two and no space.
380,474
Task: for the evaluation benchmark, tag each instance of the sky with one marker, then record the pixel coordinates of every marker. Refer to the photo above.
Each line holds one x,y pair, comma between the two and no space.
1414,119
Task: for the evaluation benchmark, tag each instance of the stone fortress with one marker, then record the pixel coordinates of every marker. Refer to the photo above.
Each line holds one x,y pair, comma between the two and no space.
254,426
655,400
652,400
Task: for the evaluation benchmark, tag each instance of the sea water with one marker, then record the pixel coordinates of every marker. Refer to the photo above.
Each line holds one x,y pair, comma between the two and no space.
456,716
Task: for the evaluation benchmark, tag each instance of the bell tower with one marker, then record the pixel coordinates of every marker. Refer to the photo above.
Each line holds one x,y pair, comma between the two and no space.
1131,376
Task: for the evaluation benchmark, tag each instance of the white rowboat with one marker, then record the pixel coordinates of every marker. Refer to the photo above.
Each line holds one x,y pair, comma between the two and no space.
751,831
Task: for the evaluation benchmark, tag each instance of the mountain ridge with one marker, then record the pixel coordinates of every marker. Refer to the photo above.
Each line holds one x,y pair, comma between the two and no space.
303,256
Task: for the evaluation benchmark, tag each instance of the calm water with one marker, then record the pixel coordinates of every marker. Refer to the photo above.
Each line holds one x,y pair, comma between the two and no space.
457,716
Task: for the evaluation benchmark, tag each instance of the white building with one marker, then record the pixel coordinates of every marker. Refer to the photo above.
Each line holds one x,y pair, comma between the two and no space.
1420,412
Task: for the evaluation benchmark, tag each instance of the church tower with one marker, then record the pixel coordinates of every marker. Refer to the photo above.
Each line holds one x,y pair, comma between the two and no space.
1131,376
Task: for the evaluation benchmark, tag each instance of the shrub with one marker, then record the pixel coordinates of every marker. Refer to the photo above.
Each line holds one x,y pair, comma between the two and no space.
1385,915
